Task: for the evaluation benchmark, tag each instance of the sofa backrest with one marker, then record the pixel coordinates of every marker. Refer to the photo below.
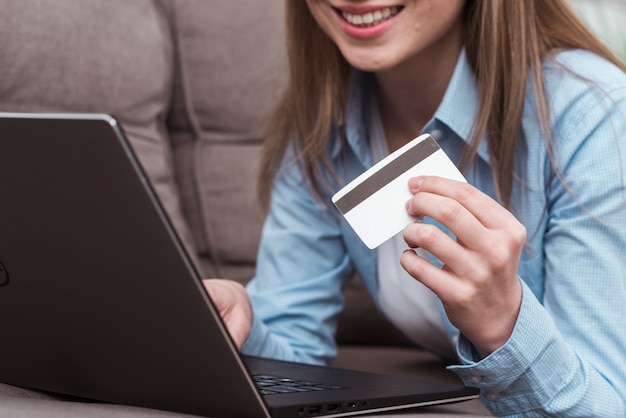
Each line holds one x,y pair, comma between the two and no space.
230,70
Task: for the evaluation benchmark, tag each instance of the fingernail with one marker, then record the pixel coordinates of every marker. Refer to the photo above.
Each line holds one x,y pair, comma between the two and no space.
416,182
407,204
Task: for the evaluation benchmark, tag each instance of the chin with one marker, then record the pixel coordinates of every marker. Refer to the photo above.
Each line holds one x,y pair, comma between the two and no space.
372,66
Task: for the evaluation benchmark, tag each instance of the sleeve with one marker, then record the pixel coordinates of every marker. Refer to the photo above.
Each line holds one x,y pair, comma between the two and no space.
302,268
566,354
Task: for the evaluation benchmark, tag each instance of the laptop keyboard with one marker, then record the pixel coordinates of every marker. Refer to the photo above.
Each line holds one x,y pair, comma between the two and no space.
271,385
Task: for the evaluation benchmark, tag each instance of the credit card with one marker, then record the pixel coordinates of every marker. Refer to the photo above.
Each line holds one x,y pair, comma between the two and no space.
374,202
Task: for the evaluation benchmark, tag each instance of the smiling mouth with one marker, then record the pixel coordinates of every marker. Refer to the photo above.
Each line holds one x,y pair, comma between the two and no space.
370,19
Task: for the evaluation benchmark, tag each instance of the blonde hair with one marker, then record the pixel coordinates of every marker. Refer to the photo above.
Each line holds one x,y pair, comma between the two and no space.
506,40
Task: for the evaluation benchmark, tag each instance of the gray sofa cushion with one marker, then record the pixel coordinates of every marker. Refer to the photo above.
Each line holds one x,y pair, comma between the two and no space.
230,73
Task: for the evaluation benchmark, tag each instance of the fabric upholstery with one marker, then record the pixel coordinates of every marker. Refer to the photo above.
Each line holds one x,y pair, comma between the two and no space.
222,97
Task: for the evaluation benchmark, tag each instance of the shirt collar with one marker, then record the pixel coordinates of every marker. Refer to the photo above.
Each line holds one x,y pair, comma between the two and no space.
357,118
460,103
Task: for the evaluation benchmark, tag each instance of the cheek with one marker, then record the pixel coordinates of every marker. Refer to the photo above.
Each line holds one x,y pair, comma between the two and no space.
433,19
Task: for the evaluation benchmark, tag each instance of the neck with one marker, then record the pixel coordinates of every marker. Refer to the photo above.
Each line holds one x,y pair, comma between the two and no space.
409,94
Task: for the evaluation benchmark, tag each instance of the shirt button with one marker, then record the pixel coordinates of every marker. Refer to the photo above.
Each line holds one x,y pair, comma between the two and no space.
494,396
475,379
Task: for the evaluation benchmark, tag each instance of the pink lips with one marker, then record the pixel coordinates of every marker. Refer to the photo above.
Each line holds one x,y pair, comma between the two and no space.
364,32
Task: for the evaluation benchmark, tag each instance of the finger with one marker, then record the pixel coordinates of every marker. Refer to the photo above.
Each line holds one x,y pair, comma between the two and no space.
429,237
216,294
238,326
488,211
230,299
434,278
458,219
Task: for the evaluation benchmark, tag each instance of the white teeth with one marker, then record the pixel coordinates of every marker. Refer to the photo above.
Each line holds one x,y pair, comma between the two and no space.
371,18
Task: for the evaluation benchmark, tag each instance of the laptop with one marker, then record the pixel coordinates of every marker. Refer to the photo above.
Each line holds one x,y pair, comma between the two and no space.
100,301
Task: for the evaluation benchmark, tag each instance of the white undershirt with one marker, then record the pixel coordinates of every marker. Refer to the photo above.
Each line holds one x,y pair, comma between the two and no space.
407,303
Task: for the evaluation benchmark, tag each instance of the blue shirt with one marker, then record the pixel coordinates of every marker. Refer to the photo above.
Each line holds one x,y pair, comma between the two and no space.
566,354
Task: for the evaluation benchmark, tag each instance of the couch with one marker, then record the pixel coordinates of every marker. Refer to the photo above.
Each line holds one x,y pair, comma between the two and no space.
192,82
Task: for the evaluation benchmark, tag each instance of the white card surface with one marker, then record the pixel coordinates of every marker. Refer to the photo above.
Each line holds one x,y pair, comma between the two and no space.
374,203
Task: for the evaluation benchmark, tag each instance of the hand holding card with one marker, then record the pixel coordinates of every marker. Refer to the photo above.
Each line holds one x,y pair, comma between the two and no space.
374,202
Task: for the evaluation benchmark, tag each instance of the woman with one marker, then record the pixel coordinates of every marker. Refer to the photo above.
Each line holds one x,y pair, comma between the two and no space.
520,273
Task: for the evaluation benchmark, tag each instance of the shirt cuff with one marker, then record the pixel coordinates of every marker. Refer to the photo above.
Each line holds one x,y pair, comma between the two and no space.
258,343
261,343
527,370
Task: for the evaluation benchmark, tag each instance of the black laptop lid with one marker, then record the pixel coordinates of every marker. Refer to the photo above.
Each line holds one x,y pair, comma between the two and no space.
91,275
